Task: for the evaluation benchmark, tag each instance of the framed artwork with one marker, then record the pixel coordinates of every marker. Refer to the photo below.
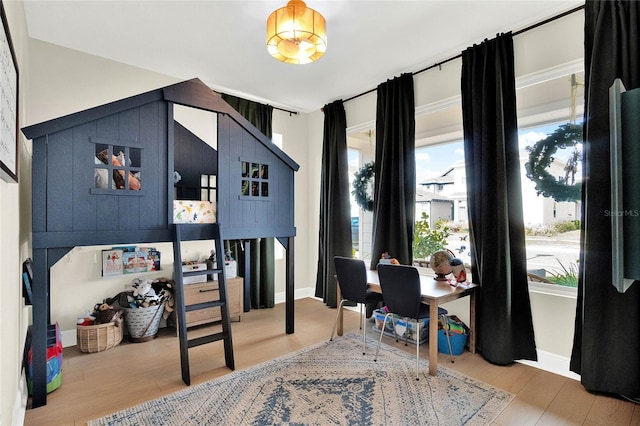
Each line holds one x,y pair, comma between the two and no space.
8,104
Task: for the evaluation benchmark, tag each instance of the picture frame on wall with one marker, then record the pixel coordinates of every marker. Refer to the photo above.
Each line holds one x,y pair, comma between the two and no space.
8,104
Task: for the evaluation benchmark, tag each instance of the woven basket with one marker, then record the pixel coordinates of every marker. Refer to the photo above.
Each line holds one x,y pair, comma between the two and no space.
142,323
98,338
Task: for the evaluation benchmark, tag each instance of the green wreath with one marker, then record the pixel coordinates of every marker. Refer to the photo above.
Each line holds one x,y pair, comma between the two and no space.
541,156
360,186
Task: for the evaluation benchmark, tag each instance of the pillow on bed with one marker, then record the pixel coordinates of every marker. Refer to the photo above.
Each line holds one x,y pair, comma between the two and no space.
194,211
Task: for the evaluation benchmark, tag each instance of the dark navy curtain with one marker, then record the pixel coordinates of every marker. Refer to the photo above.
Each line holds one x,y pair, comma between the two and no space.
395,171
606,349
262,262
494,197
335,206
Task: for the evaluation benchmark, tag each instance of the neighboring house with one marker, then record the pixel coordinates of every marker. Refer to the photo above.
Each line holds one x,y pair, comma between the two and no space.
434,205
538,210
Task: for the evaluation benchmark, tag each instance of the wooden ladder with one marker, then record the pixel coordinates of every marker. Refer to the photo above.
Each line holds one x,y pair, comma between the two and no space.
198,230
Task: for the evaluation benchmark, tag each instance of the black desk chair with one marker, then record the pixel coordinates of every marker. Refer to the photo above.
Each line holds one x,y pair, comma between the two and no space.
352,279
401,289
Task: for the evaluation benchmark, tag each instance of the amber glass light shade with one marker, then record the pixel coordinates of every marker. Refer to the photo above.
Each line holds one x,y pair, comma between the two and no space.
296,34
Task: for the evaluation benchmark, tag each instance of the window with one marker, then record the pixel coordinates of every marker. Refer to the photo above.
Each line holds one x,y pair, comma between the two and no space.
276,138
255,180
552,226
441,194
552,220
552,223
118,168
354,165
208,187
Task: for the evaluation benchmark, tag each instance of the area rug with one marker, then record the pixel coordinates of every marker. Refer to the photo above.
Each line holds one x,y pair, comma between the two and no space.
331,383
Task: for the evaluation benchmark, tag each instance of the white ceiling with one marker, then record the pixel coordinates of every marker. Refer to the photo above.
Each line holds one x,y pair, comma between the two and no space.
223,42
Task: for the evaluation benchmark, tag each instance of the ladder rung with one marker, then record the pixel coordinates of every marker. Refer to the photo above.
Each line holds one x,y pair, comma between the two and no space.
203,305
206,339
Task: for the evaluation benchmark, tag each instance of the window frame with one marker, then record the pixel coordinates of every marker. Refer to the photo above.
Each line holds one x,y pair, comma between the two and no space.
258,180
127,145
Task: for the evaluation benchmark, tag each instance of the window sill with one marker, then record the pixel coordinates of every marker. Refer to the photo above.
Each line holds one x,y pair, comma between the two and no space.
106,191
553,290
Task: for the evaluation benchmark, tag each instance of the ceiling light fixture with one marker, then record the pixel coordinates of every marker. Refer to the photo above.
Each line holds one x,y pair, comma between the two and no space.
296,34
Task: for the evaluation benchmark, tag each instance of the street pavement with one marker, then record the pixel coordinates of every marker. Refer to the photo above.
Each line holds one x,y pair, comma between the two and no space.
548,253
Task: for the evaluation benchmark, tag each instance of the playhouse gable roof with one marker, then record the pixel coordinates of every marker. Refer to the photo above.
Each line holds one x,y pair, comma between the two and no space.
190,93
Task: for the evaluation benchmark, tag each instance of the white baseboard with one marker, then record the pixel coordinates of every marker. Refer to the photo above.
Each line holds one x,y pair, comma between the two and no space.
552,363
20,404
298,294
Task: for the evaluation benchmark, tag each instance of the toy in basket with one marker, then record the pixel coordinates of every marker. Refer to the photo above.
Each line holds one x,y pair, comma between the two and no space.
98,338
100,330
142,323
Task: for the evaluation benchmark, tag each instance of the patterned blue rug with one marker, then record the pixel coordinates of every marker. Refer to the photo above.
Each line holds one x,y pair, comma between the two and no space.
330,383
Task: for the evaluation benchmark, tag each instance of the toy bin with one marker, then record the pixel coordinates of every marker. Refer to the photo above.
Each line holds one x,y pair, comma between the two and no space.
143,323
458,334
378,316
54,359
99,337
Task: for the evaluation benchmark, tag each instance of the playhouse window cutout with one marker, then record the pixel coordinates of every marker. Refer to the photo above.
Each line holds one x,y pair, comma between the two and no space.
207,187
117,168
254,182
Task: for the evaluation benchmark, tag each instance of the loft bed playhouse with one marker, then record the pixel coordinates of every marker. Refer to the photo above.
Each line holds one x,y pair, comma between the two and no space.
137,141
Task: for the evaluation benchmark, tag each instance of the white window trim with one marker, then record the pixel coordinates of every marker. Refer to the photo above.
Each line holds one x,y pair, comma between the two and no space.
553,289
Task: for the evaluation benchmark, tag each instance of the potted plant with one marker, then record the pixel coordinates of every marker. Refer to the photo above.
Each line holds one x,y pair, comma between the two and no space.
427,241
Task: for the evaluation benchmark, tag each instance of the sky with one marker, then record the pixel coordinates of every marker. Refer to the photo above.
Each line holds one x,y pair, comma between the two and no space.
434,161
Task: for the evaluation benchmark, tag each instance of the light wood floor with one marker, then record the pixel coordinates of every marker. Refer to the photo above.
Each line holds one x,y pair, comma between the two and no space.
101,383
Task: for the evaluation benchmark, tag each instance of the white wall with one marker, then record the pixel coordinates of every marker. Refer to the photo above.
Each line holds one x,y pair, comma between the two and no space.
15,199
63,81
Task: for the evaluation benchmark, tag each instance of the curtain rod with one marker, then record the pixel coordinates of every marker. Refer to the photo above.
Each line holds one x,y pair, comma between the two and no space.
453,58
285,110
